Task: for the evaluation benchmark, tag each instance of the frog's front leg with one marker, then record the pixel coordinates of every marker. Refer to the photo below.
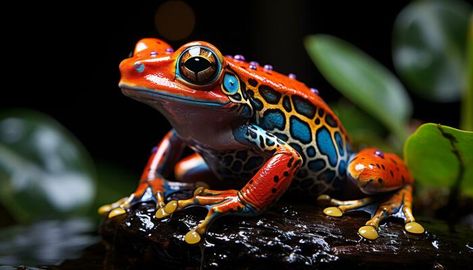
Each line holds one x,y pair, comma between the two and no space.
152,186
383,175
264,188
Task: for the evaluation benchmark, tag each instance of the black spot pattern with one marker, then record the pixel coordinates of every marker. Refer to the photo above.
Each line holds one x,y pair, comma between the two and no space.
302,173
252,82
242,155
286,103
236,96
281,136
227,160
237,165
256,103
330,120
303,106
269,95
298,148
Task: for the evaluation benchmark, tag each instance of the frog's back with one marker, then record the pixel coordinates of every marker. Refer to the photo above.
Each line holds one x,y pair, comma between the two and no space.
296,114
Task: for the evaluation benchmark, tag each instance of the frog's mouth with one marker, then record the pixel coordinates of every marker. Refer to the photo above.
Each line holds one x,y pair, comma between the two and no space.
157,96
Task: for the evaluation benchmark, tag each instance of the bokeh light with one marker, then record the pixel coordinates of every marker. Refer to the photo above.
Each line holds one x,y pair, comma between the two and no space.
174,20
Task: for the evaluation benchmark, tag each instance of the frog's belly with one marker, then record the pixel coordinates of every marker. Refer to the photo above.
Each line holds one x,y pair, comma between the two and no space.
241,165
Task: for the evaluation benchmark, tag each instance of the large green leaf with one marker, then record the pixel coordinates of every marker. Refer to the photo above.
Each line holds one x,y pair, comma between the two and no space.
439,156
429,41
44,171
364,81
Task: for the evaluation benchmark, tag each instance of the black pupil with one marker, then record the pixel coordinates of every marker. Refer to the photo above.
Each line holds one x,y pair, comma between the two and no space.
197,64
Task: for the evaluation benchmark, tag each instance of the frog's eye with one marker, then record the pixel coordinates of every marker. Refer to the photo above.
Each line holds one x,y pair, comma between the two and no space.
198,65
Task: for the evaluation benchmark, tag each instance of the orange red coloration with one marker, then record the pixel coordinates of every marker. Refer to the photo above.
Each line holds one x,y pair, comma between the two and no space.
378,173
269,184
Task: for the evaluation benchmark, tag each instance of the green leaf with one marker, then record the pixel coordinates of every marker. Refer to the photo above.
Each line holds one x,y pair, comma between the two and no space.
364,81
44,170
440,156
467,104
429,41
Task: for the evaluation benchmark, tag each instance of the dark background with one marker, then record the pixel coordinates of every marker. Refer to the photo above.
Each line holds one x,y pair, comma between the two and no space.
62,58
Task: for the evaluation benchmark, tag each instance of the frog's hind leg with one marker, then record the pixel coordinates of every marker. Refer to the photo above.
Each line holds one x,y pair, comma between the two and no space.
400,199
385,175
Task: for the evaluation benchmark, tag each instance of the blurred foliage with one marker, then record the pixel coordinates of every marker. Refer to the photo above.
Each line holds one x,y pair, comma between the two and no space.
467,107
441,156
431,40
44,171
429,46
363,80
114,183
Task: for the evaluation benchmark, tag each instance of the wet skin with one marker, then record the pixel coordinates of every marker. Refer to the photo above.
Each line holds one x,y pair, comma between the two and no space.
246,122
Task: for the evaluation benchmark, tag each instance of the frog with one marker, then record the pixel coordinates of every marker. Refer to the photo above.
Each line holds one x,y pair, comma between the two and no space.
263,133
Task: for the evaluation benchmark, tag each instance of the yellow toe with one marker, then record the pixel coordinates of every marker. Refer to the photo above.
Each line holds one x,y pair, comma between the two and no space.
170,207
323,197
414,227
104,209
192,237
160,213
333,212
368,232
116,212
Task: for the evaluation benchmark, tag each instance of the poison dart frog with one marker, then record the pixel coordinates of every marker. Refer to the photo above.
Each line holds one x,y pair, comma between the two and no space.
262,132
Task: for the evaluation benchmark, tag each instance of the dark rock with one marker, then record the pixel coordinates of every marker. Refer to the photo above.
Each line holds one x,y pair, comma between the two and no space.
287,236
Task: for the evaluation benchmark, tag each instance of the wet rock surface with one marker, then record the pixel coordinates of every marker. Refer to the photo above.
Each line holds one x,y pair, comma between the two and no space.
288,236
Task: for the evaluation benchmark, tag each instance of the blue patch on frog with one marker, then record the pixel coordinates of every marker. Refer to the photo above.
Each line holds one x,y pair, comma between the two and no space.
326,146
327,175
273,119
311,151
342,168
316,165
139,67
339,140
300,130
231,83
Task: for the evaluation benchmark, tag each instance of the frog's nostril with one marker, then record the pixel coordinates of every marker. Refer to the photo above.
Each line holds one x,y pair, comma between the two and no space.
139,67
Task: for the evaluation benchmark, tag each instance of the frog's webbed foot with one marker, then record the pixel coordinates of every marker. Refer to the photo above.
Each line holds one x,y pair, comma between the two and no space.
217,202
144,193
387,207
155,190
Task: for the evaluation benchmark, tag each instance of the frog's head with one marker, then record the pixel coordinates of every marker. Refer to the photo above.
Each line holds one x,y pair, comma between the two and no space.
196,75
194,85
